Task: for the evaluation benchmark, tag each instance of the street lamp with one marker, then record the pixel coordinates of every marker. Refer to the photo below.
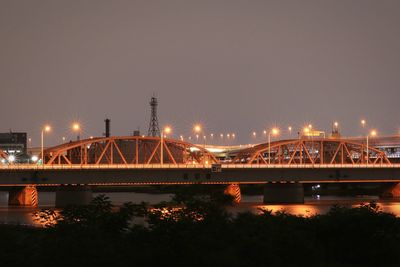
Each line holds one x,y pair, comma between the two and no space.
166,130
290,131
76,127
274,132
373,133
198,129
363,123
46,129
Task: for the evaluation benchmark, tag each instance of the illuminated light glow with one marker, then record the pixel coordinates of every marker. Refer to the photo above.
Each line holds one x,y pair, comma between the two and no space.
306,130
63,138
206,161
197,128
336,124
167,129
254,134
212,135
34,158
228,135
11,158
265,132
47,128
363,122
290,128
373,133
214,150
221,135
76,126
233,135
310,126
275,131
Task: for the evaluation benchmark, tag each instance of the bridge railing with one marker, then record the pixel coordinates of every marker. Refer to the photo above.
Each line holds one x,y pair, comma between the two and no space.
191,166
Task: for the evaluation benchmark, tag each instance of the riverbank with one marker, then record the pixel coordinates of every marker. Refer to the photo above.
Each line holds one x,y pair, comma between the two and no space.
202,233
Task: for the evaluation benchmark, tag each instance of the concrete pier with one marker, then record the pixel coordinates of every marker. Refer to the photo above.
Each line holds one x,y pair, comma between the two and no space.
234,191
283,193
73,195
23,196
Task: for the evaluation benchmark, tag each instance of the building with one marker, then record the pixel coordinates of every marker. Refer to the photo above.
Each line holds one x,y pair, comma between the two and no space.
13,143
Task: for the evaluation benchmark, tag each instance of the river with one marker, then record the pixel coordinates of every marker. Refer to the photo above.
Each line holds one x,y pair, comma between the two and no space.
312,205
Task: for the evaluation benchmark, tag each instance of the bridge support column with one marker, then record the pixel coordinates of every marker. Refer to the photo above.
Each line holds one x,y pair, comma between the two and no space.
23,196
73,195
234,191
391,192
283,193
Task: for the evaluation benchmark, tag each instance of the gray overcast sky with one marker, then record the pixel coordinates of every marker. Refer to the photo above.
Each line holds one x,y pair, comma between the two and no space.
236,66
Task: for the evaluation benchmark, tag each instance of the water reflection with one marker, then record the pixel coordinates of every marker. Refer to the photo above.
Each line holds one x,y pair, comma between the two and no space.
312,205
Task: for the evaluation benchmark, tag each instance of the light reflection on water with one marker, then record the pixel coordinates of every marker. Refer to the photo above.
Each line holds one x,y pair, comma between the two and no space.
312,206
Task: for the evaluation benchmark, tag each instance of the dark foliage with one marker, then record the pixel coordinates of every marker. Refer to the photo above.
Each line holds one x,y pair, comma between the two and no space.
199,232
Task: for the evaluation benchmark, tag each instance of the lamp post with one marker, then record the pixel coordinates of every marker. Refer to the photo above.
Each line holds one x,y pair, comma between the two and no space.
373,133
76,127
198,129
165,130
274,132
46,129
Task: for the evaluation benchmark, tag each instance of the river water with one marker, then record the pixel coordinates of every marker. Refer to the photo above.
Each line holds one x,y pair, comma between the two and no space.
312,205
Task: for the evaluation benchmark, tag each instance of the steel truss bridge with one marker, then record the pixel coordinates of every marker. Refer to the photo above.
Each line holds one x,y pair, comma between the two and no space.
132,160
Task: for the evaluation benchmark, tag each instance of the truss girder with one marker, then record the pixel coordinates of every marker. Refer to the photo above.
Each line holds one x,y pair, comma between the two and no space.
309,151
127,150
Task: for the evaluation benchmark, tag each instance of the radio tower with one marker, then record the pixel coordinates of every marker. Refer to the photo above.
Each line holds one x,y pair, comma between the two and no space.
154,130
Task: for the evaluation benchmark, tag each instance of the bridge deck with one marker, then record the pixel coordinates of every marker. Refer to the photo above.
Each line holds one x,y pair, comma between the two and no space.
195,174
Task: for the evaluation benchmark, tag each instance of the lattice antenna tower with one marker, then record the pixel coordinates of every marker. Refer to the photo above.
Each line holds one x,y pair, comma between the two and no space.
154,130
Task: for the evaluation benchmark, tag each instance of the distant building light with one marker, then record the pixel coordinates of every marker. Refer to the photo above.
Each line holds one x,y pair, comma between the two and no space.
11,158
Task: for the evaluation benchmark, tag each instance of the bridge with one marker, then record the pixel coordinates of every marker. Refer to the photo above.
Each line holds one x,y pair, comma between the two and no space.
283,166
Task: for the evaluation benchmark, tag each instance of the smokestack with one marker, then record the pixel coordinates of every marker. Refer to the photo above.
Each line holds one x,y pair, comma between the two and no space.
107,121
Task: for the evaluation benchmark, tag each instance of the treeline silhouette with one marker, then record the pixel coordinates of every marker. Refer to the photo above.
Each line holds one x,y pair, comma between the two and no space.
198,231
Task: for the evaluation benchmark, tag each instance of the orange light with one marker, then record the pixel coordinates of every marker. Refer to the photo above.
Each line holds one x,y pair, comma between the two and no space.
275,131
167,129
76,126
47,128
197,128
374,133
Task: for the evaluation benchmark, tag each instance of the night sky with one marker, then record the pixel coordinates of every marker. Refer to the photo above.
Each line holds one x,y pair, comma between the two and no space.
234,66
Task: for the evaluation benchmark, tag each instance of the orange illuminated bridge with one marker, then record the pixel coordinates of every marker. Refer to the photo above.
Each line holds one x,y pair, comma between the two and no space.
135,160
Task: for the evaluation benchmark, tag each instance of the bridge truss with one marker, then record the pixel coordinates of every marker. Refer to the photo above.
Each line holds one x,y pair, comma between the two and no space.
312,151
128,150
